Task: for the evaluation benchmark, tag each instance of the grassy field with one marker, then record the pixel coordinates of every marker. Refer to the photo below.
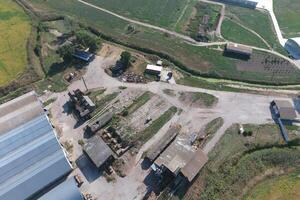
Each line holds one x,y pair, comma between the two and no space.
202,61
238,160
287,13
236,33
258,21
13,53
163,13
284,187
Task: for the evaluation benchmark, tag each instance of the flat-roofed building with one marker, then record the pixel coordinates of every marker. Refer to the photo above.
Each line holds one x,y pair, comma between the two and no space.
238,49
153,69
98,151
157,148
181,158
31,158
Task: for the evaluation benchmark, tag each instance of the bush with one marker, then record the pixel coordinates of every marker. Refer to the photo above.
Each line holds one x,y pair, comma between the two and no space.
125,58
87,40
66,52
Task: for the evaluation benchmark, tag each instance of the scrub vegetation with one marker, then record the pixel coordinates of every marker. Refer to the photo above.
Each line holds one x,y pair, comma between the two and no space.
282,187
241,159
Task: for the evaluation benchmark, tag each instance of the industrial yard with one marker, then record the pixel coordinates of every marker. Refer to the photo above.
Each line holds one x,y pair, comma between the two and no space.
152,100
134,110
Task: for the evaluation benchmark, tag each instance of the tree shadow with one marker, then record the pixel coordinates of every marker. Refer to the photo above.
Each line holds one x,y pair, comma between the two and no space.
59,67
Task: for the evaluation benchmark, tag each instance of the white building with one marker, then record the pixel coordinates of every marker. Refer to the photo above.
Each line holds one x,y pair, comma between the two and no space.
153,69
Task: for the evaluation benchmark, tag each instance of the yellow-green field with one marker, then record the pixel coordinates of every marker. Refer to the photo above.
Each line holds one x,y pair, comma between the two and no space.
284,187
14,31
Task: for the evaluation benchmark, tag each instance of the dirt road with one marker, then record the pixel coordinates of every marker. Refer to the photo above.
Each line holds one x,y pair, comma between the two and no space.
184,37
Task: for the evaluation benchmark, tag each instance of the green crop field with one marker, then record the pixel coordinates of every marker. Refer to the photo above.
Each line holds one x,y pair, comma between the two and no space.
258,21
201,60
14,31
284,187
287,13
163,13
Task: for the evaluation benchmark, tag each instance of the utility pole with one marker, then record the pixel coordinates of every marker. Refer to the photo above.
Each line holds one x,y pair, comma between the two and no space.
84,84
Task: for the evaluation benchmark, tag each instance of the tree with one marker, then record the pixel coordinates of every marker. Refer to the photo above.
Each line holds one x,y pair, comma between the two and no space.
125,58
87,40
66,52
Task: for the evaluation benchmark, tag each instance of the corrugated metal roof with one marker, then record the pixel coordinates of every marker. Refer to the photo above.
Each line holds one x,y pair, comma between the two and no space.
30,156
67,190
19,111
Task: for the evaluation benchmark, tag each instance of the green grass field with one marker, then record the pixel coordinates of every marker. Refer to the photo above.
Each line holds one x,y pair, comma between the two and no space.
14,31
163,13
236,33
284,187
200,59
287,13
258,21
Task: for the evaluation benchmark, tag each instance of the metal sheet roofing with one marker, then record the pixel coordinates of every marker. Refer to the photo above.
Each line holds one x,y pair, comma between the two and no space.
19,111
67,190
30,156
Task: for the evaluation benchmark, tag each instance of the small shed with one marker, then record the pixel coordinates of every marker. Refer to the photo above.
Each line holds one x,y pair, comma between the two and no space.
98,151
238,49
153,69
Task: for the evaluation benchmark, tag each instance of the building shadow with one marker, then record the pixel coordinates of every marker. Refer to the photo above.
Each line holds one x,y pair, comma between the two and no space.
153,183
146,164
87,134
88,169
236,56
